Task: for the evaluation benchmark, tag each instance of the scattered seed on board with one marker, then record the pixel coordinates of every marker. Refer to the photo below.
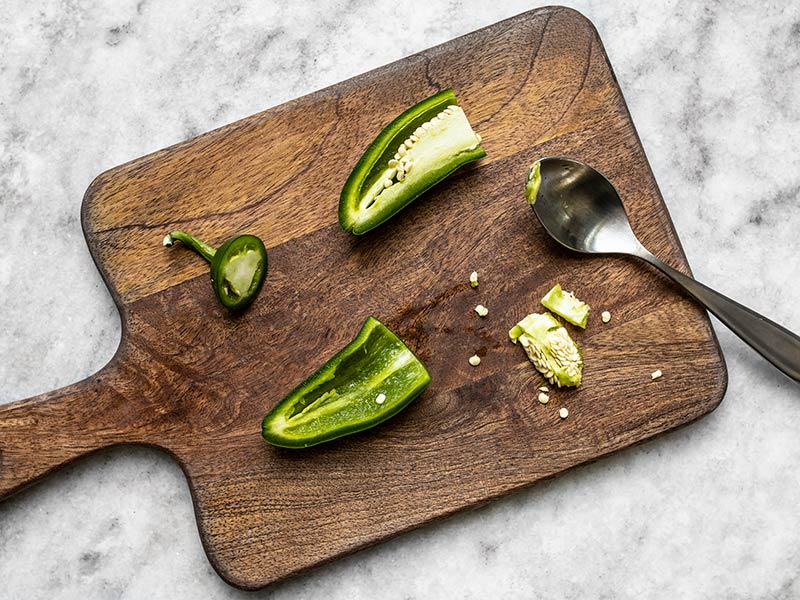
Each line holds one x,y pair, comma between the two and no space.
656,374
381,398
563,412
473,279
543,398
474,360
606,316
481,310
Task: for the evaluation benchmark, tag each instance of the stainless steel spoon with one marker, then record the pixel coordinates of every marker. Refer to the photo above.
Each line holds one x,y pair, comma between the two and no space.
581,210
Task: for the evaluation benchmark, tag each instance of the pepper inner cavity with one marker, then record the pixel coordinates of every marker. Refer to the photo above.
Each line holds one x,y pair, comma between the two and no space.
348,370
240,271
360,372
429,142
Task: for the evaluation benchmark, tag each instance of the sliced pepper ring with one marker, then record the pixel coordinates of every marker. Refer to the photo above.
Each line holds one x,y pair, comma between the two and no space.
238,267
238,270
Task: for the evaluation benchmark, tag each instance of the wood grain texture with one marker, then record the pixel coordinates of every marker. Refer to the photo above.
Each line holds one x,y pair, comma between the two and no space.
196,381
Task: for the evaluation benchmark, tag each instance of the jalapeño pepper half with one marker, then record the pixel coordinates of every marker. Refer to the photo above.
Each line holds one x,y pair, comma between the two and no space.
371,379
413,153
238,267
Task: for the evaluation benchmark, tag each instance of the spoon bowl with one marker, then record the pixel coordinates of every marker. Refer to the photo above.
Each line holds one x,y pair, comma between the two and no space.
580,208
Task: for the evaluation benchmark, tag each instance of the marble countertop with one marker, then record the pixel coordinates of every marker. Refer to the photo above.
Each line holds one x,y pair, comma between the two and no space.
705,512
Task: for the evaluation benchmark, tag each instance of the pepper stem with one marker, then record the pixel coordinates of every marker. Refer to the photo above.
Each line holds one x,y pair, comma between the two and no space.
202,249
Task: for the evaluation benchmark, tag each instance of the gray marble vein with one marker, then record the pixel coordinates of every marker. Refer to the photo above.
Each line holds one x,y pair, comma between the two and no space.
708,511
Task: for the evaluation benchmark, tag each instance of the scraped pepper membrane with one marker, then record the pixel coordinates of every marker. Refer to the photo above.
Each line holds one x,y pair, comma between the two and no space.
370,380
417,150
550,348
567,306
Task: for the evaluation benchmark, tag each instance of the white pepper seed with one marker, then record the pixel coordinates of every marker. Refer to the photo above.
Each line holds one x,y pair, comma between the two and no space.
563,413
381,398
474,360
543,398
656,374
606,316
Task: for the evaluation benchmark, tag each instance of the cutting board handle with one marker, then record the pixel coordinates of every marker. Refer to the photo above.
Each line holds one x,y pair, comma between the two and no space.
42,433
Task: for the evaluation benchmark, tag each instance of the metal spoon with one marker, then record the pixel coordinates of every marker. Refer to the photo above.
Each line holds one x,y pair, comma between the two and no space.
581,210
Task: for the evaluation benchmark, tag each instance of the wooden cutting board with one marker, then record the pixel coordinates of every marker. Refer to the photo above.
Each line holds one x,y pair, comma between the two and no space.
196,381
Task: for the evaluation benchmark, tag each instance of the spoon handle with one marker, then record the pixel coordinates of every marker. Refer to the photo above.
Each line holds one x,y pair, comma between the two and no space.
777,344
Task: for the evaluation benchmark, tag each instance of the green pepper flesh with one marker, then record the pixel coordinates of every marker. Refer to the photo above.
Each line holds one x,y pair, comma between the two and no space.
238,270
448,144
238,267
371,379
